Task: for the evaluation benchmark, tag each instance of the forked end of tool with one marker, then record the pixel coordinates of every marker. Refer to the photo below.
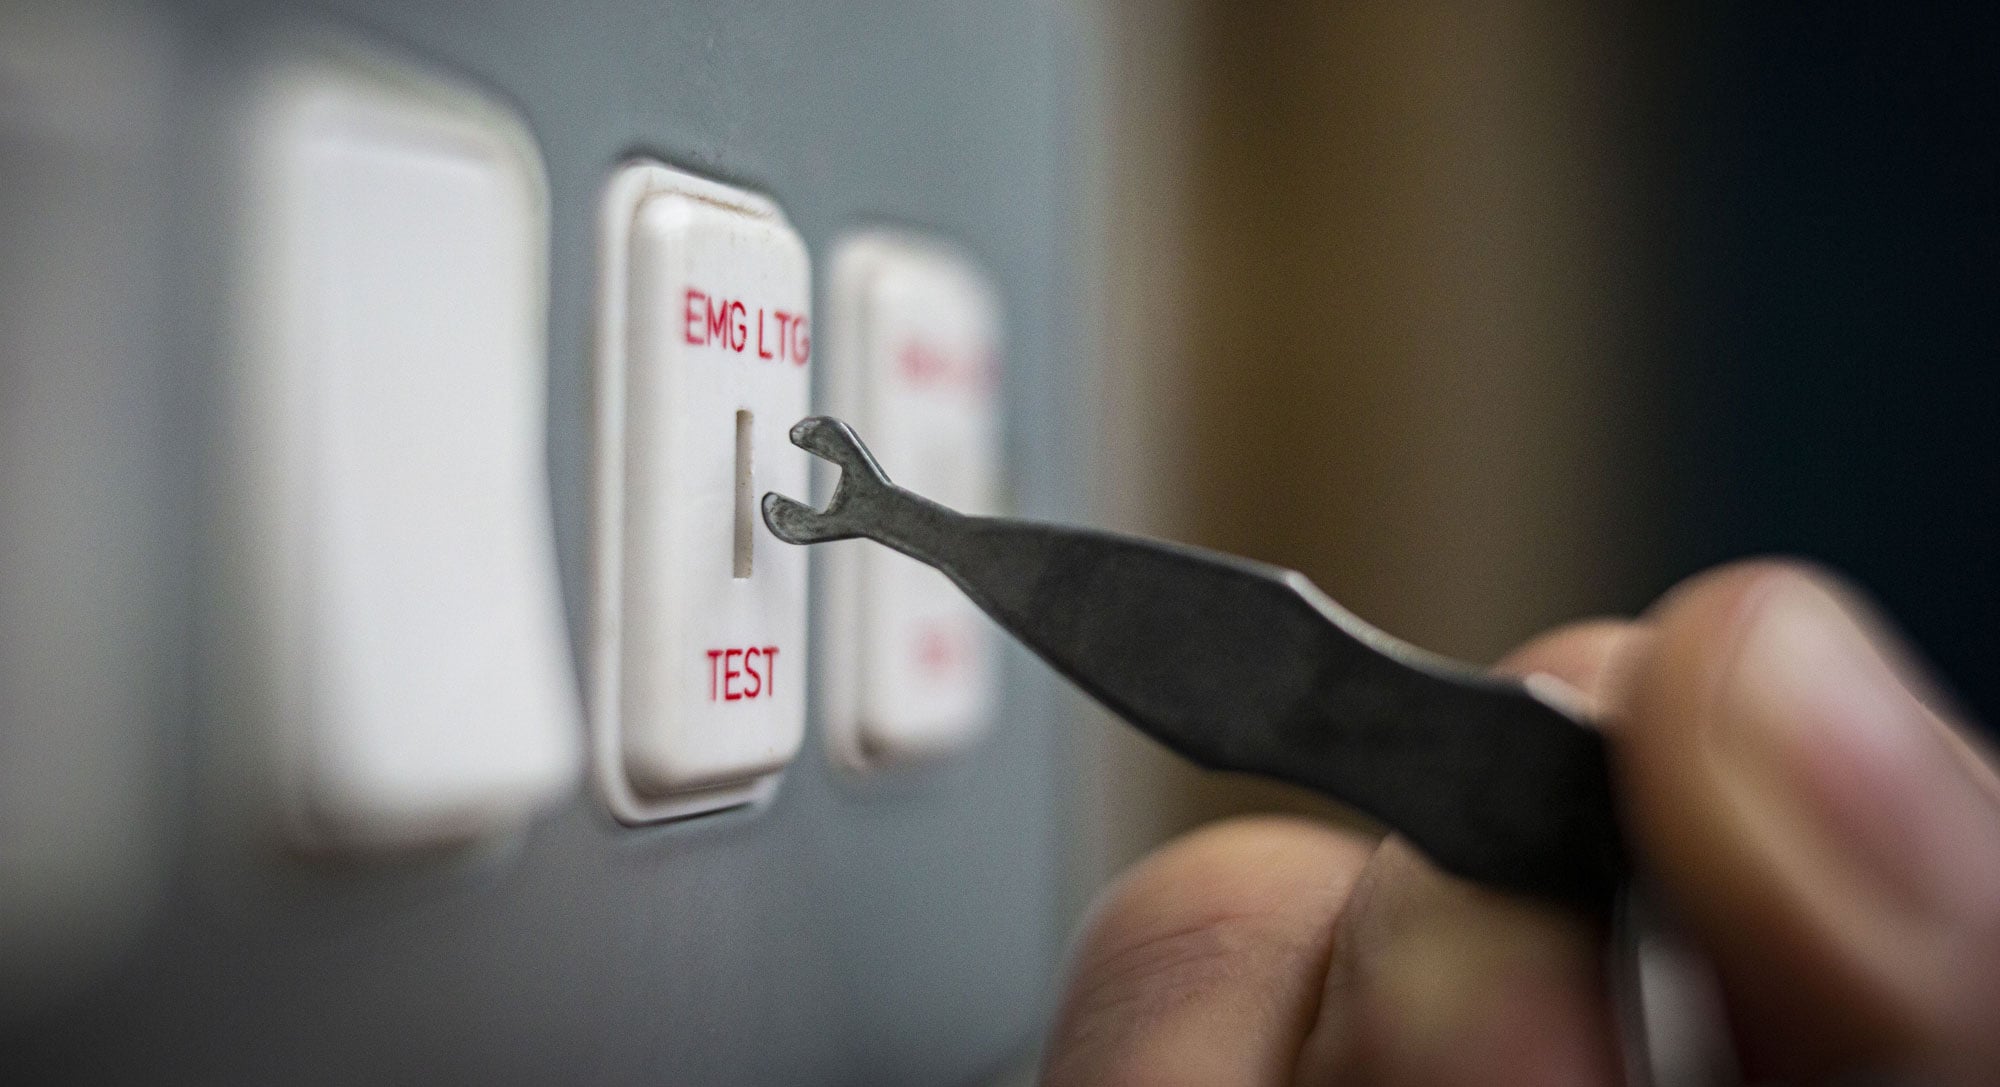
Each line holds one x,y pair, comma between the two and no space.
795,522
832,440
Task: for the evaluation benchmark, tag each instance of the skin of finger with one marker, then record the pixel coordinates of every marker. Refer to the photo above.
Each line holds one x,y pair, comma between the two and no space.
1203,965
1824,972
1436,981
1585,655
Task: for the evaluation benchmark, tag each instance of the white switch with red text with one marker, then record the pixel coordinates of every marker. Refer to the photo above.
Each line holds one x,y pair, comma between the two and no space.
910,663
698,635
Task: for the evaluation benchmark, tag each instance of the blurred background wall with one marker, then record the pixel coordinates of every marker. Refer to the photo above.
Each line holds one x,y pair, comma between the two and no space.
1489,316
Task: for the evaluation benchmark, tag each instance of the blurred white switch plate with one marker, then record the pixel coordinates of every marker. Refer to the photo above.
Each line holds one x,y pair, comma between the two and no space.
697,639
910,663
406,631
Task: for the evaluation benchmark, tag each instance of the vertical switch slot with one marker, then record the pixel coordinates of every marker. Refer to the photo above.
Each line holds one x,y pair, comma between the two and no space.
746,498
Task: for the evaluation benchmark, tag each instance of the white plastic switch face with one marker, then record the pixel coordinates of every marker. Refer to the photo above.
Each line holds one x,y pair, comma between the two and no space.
910,663
698,669
395,543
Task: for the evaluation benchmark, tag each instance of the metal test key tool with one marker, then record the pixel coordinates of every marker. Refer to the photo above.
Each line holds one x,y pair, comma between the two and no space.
1242,666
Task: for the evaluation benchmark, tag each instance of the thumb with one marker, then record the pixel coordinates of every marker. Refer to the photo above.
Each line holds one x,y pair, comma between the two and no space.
1829,834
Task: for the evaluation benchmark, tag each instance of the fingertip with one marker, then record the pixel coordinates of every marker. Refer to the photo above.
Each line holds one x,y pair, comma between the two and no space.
1671,677
1795,794
1672,670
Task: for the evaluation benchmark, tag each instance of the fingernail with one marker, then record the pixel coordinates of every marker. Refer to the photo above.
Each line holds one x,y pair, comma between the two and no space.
1823,734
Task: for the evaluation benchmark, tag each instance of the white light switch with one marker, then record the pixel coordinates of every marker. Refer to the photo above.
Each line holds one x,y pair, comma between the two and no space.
395,548
910,663
698,649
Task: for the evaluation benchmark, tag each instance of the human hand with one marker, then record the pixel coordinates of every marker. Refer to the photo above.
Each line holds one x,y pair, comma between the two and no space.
1830,837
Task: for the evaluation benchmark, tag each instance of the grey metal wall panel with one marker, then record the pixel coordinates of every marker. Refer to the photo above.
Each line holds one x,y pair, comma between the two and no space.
901,930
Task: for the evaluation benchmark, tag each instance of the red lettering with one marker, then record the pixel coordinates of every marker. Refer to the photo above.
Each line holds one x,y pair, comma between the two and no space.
943,648
725,323
761,353
791,336
693,328
730,674
736,675
715,328
925,365
739,327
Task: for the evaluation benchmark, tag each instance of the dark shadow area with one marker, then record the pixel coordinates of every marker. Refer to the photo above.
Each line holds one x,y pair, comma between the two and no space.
1833,344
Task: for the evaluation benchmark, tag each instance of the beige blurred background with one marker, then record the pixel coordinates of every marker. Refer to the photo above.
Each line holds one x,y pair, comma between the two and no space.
1369,277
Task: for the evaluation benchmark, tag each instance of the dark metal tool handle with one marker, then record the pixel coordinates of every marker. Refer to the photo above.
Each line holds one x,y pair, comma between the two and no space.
1247,667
